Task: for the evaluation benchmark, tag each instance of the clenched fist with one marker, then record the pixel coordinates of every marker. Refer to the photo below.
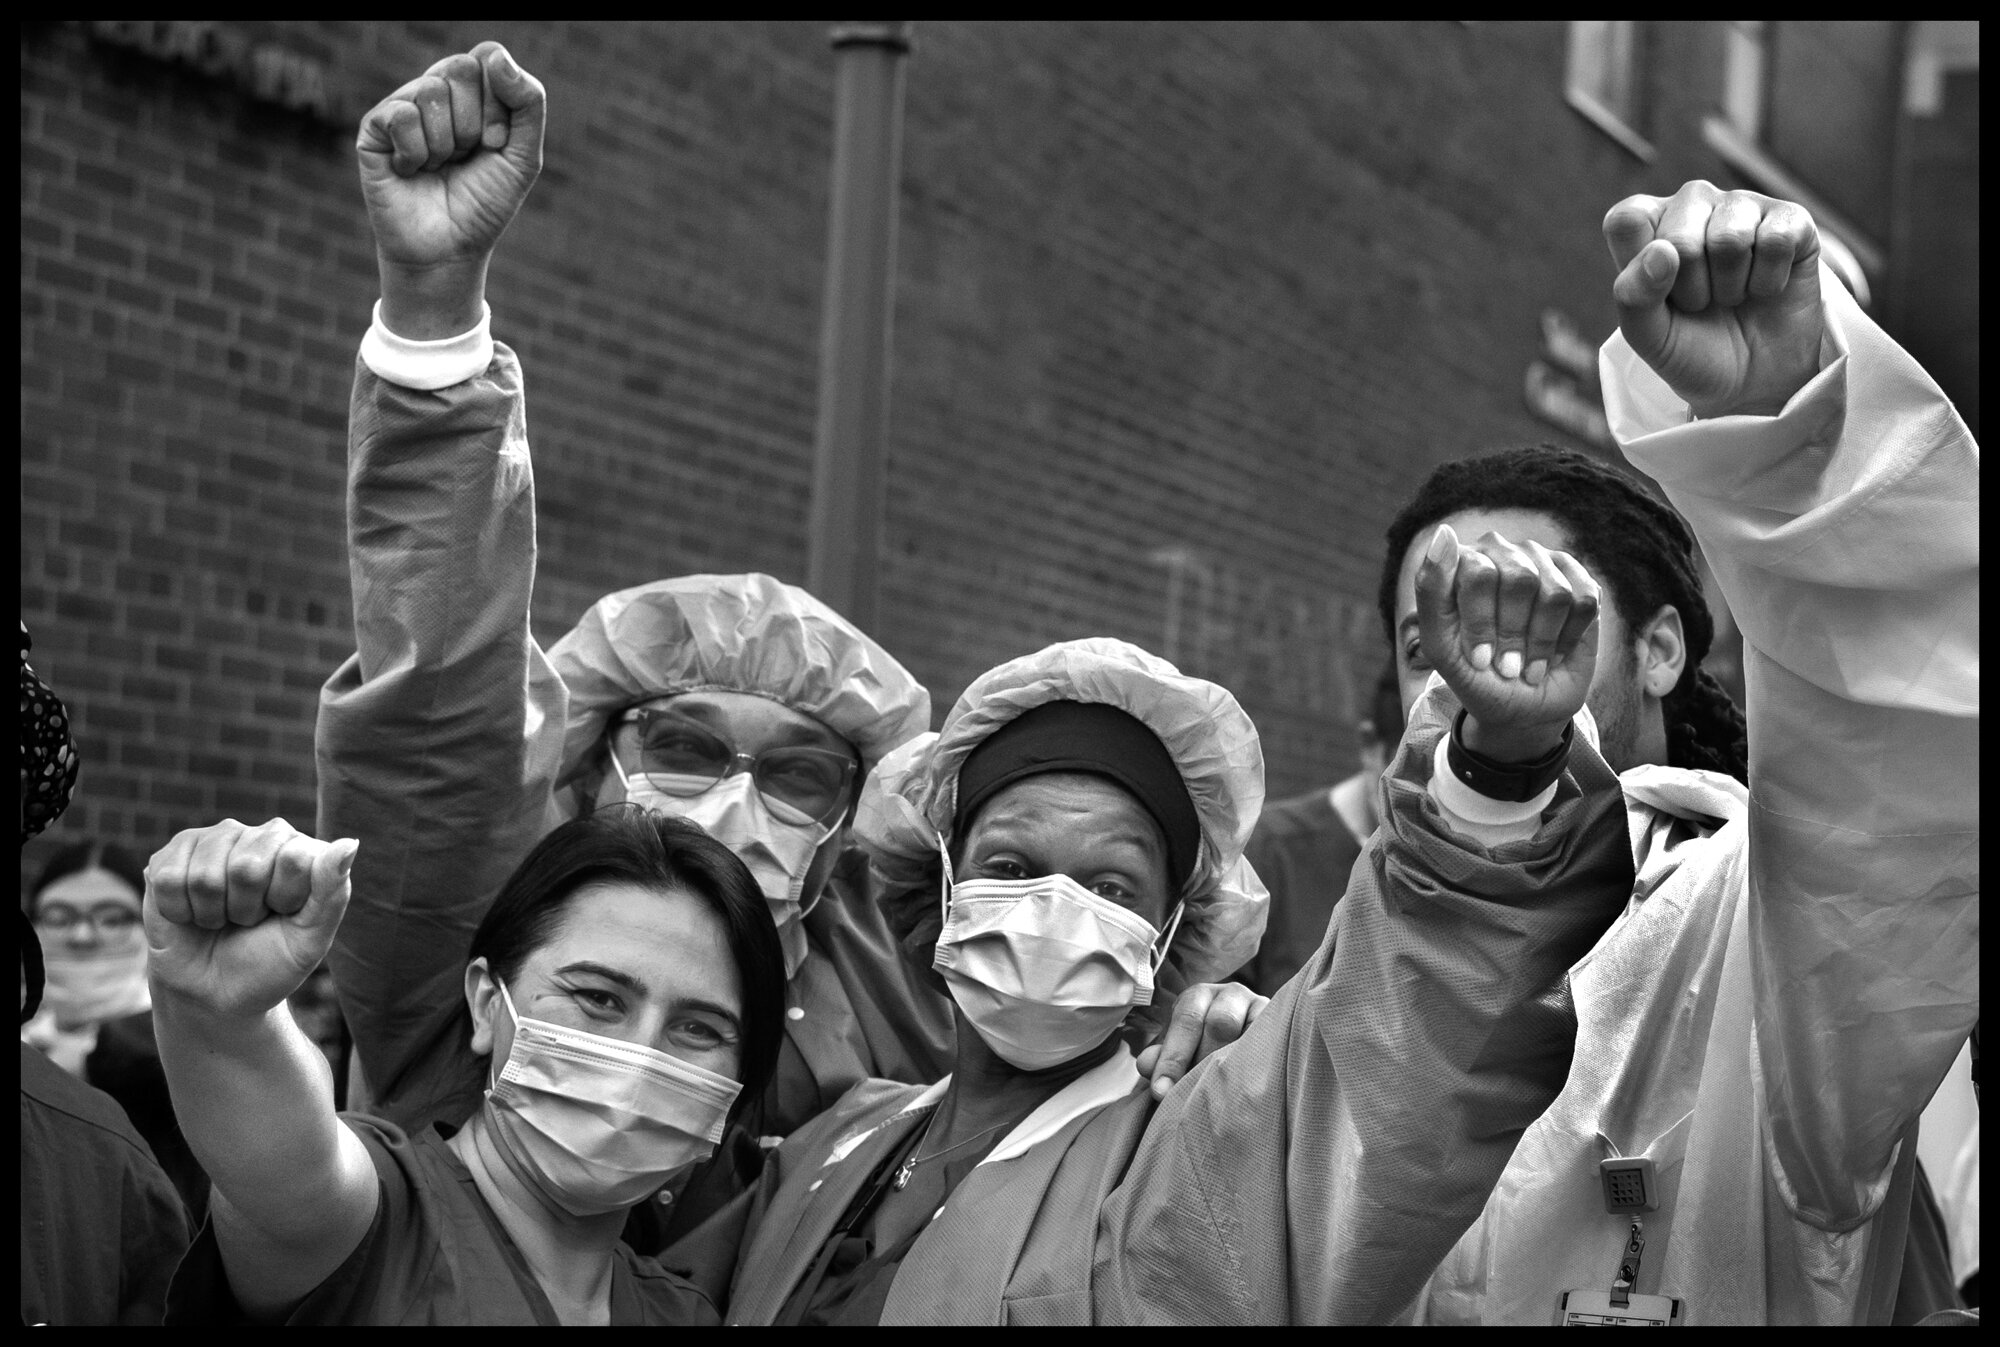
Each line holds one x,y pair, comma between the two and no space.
1719,292
237,917
446,162
1513,630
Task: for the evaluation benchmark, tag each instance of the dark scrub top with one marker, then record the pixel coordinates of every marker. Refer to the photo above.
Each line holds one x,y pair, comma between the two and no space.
101,1226
436,1254
849,1282
125,1064
1304,852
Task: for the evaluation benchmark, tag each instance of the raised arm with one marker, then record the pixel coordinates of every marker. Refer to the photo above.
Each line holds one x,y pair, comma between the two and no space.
1835,493
1317,1170
438,741
236,919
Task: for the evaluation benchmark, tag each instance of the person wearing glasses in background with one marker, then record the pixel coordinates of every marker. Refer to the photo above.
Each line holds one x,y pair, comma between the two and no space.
96,1016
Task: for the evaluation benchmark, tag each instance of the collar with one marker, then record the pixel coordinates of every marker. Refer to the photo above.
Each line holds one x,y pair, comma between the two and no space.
846,1146
1686,792
1106,1083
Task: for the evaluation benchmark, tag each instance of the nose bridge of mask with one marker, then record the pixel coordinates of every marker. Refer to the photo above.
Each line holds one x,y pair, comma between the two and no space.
1066,888
608,1060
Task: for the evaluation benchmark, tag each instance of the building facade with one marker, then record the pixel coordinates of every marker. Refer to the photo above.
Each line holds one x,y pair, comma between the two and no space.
1183,312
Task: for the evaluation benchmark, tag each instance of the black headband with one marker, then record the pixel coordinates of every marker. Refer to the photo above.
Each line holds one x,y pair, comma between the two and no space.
1098,739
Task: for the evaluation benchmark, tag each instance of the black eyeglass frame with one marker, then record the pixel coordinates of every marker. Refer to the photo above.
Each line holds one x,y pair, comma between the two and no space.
850,767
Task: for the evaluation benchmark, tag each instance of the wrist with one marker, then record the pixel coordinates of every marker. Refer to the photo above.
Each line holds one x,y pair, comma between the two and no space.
434,301
217,1022
1510,743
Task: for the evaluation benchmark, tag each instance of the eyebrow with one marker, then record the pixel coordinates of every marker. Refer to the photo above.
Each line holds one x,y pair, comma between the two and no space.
1406,624
713,718
638,989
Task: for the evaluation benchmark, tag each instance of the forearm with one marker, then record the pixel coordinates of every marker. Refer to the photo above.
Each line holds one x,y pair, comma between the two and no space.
254,1099
422,753
1319,1168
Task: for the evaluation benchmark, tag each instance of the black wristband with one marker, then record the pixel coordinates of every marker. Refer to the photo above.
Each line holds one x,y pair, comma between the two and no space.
1515,781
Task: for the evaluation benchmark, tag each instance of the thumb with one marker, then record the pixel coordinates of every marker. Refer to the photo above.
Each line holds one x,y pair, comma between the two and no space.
330,870
524,102
1437,599
1640,293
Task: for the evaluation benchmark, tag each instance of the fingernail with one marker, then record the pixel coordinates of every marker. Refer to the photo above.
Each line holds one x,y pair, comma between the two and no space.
1510,664
1160,1087
1535,673
351,846
1482,657
1437,549
1655,264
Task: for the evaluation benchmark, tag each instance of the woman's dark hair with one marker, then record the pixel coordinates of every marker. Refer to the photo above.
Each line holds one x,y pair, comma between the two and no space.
624,843
80,856
1635,546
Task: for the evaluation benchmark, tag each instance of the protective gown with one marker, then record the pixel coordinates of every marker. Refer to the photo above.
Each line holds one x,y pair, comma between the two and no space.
1799,963
450,744
1315,1170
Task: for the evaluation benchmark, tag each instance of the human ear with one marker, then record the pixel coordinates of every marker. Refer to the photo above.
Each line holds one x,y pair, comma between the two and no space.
482,993
1662,652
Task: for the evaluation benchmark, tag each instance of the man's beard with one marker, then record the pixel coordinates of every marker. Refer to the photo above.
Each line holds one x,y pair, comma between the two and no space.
1614,702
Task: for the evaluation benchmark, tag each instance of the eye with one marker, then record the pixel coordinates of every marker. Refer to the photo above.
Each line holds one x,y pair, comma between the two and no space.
1413,653
601,1004
1004,869
700,1034
1116,890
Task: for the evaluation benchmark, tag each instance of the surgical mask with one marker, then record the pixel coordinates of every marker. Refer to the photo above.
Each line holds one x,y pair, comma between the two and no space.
1043,968
90,987
599,1124
776,841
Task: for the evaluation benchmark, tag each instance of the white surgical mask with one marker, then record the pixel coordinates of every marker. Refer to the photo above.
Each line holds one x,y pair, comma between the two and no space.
106,983
1043,968
599,1124
777,842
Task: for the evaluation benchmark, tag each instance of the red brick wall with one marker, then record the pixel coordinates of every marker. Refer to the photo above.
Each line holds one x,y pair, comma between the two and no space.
1220,292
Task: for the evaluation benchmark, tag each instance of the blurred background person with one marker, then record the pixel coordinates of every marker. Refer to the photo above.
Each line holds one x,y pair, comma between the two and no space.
101,1225
1305,845
96,1017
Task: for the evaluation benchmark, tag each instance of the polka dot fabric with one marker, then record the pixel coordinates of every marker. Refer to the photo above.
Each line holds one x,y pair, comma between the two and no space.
48,756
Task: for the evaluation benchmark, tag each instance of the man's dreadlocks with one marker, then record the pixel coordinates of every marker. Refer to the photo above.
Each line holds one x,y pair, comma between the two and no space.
1635,546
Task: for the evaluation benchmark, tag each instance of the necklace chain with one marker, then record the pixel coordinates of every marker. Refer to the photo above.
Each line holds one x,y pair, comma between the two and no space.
909,1165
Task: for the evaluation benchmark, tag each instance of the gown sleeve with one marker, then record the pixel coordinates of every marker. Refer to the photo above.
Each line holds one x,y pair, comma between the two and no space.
1844,533
1319,1168
439,739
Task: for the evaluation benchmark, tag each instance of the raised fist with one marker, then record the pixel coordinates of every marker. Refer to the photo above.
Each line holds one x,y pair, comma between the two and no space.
237,917
1719,292
447,159
1514,632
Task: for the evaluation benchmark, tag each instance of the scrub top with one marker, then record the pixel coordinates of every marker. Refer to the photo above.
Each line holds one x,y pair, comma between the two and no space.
100,1224
436,1254
1305,853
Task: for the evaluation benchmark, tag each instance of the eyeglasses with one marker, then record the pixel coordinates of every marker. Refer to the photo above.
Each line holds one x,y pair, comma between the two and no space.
685,758
105,918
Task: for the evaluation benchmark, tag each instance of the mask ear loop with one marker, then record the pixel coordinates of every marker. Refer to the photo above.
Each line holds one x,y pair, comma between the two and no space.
1166,939
945,885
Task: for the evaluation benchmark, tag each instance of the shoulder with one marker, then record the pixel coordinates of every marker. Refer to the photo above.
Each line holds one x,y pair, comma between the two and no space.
72,1108
658,1296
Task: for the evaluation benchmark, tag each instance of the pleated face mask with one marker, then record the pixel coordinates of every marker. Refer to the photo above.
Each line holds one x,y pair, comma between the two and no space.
598,1124
1043,968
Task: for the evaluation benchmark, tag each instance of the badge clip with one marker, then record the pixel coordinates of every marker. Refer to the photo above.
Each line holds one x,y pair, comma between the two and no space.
1630,1185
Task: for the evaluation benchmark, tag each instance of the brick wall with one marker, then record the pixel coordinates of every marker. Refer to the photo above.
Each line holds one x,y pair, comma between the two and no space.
1183,312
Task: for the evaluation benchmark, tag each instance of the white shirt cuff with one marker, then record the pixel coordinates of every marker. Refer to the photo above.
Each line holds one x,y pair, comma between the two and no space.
1465,804
428,365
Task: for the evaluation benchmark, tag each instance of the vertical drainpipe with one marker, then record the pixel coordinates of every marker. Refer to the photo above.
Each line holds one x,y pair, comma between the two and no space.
851,436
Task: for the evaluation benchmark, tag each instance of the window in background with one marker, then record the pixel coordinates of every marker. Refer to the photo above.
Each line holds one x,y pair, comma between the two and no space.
1809,112
1605,79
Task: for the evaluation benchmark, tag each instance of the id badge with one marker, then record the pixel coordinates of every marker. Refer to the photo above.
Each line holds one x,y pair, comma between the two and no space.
1593,1309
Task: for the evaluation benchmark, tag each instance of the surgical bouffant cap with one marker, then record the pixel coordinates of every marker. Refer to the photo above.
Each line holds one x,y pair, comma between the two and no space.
912,798
732,633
